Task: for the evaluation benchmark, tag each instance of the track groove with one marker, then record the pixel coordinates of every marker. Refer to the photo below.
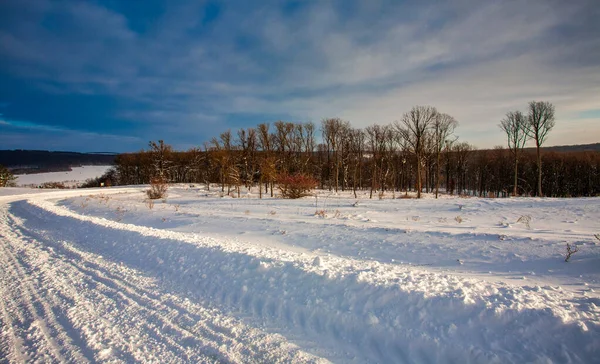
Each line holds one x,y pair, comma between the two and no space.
112,311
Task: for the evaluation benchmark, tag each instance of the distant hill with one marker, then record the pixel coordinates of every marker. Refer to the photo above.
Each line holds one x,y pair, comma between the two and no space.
576,148
38,161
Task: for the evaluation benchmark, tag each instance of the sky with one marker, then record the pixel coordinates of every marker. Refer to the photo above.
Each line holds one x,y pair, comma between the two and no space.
109,76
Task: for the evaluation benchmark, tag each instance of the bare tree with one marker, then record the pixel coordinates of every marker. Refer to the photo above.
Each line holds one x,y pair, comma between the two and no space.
356,147
462,152
514,126
414,127
443,127
540,120
268,168
161,158
376,141
308,146
247,142
332,132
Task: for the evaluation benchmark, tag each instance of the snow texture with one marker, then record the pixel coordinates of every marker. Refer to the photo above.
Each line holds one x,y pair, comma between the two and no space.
102,277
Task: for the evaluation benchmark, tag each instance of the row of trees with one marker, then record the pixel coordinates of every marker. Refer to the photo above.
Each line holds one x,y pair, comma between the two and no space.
417,153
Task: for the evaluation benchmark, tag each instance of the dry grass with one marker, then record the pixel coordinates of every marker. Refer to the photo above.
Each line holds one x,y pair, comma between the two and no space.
525,220
158,189
571,249
120,211
324,213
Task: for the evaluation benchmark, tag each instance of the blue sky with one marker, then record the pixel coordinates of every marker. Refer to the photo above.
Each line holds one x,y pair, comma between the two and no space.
112,75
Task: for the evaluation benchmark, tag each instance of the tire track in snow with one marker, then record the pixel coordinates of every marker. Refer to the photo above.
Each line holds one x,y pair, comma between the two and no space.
116,309
189,326
12,346
36,313
389,312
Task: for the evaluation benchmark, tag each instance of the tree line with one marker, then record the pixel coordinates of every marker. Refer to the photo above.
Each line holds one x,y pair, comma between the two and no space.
418,153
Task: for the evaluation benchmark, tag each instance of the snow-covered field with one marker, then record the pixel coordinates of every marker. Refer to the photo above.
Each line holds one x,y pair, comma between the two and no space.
105,276
75,177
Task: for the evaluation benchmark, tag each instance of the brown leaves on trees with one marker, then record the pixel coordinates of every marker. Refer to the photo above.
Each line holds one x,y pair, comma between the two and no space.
296,186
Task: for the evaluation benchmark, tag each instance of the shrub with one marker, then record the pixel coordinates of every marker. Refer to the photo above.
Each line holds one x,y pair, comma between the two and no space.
150,204
58,185
296,186
158,189
7,179
571,249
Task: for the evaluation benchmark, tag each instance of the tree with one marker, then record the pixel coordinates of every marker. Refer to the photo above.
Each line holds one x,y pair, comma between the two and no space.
443,127
413,127
161,157
514,125
222,152
7,179
356,148
376,137
462,152
267,164
248,145
540,120
332,131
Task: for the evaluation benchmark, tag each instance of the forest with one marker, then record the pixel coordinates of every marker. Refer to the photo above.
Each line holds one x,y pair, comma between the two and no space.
419,153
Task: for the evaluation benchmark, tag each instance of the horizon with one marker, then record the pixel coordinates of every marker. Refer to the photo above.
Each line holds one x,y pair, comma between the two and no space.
114,75
527,148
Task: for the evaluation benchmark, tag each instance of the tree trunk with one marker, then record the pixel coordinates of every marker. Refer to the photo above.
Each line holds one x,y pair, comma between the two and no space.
418,176
515,190
437,175
539,181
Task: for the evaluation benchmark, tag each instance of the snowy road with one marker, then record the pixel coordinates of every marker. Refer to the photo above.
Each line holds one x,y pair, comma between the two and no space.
82,288
62,304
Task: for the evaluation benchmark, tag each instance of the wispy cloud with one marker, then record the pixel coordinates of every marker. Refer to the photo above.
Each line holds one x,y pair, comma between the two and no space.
203,68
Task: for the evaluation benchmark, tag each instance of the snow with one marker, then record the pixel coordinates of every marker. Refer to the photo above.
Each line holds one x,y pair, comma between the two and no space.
100,276
75,177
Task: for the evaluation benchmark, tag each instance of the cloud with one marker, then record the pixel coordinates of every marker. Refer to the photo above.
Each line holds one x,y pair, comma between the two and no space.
27,135
191,69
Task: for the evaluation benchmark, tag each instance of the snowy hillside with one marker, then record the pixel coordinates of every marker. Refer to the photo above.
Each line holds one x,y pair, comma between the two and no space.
203,278
74,177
